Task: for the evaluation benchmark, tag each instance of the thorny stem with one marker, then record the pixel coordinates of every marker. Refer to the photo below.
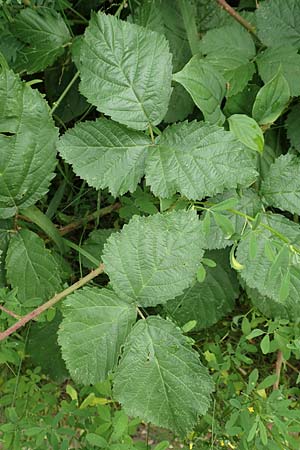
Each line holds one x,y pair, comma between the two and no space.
237,16
64,93
36,312
10,313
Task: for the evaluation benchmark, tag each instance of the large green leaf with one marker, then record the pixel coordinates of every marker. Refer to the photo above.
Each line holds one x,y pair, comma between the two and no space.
95,325
278,22
267,267
153,259
286,58
292,126
205,85
209,301
31,268
27,145
106,154
126,71
45,34
160,378
248,202
281,187
197,160
271,100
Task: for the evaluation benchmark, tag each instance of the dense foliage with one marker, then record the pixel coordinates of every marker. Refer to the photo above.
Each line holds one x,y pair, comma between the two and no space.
162,138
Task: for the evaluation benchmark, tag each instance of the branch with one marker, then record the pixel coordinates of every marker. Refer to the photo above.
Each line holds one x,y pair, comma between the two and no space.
10,313
237,16
278,366
36,312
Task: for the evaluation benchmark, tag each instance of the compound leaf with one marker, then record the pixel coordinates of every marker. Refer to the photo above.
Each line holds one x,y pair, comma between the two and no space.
153,259
106,154
197,159
160,378
27,145
209,301
31,268
281,186
95,325
44,32
125,71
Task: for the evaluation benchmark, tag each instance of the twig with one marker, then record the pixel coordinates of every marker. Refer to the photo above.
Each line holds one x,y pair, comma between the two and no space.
64,93
36,312
237,16
10,313
278,366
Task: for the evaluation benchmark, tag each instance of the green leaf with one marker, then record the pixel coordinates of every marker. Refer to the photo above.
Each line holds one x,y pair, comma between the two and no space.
209,301
206,87
180,106
263,433
153,259
44,351
31,268
149,15
197,160
248,202
162,446
160,378
27,145
224,223
258,272
228,203
242,102
281,187
125,71
292,126
286,58
106,154
94,245
96,441
201,273
247,131
271,100
278,23
44,32
265,344
95,325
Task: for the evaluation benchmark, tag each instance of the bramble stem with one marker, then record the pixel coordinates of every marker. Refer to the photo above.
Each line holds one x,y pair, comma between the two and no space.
237,16
10,313
38,311
279,362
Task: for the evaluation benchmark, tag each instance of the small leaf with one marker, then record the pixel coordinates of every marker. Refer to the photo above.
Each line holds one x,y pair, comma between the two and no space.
267,382
271,100
201,273
265,344
252,246
234,262
285,286
254,333
189,326
252,432
96,440
269,251
263,433
229,203
209,262
224,223
247,131
162,446
246,326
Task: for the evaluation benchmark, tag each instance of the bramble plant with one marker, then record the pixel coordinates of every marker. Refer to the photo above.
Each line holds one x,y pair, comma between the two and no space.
162,138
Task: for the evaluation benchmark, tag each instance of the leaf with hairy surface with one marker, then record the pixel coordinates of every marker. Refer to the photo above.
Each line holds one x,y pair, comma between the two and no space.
160,377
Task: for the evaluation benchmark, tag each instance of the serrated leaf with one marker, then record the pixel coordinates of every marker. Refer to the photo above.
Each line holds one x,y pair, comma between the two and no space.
205,85
125,71
95,325
27,145
292,126
271,100
281,186
248,202
286,58
160,378
44,32
153,259
106,154
31,268
247,131
209,301
256,272
197,160
94,245
278,23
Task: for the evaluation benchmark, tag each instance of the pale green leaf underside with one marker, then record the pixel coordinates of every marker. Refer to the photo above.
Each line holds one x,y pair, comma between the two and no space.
248,202
44,32
126,71
160,378
271,59
95,325
205,85
27,145
31,268
197,160
209,301
106,154
257,269
278,23
153,259
281,187
292,126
